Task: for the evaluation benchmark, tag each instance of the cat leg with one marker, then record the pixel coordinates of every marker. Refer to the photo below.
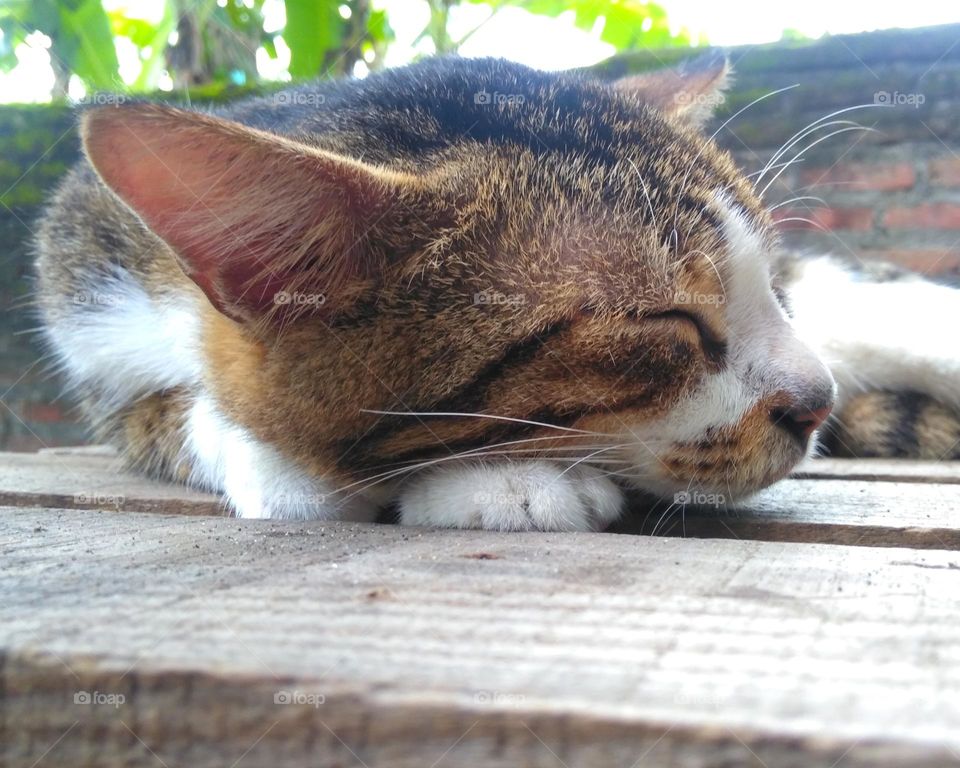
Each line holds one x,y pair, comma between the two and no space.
256,479
512,496
895,425
888,337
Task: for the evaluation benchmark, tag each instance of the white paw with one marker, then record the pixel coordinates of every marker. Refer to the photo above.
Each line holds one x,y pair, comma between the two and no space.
512,496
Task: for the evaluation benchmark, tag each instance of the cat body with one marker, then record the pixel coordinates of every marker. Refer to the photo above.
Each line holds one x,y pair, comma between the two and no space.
493,296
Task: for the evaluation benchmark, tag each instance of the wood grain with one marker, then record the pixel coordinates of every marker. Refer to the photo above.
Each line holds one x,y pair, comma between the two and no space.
92,478
914,504
880,470
852,512
414,648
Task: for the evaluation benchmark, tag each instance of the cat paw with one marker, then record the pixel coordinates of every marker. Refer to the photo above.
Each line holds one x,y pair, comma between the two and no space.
512,496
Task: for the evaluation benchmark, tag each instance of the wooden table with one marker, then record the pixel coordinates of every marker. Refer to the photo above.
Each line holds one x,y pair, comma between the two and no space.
818,625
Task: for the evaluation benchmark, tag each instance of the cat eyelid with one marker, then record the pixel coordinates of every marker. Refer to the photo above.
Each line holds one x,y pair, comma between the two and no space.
714,347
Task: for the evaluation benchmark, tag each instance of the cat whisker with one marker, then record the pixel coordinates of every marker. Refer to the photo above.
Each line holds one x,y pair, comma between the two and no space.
511,419
482,453
591,455
653,216
803,131
724,124
810,146
712,263
794,140
811,222
485,452
797,199
764,169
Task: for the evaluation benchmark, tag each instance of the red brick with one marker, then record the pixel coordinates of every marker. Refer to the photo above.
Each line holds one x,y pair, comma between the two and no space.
47,413
926,216
929,261
945,172
828,218
857,176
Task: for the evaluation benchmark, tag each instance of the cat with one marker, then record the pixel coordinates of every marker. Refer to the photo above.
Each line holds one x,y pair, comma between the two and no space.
488,296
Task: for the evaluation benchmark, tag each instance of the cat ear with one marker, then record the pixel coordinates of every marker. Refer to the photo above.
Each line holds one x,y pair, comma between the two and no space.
265,226
691,91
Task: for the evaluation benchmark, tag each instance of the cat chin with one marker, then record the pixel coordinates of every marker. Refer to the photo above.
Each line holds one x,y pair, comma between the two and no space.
746,480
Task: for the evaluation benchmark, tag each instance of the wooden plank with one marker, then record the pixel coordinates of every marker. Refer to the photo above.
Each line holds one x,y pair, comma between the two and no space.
902,508
881,470
852,512
92,479
413,648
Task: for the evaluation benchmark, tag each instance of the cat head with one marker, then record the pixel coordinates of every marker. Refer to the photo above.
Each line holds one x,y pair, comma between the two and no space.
474,258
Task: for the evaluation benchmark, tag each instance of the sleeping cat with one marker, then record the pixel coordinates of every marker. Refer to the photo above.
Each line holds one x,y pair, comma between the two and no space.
491,296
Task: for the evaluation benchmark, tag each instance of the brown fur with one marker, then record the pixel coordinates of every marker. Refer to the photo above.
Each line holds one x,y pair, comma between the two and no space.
399,244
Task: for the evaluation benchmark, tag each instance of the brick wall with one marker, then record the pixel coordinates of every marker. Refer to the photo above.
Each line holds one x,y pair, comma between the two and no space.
893,193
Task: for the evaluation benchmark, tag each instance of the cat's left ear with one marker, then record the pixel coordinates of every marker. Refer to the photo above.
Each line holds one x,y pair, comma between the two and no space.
267,227
690,91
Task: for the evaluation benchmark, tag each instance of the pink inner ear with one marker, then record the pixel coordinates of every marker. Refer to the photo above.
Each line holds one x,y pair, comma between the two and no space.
250,215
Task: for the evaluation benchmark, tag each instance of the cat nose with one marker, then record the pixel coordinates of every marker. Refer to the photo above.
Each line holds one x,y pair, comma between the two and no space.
801,417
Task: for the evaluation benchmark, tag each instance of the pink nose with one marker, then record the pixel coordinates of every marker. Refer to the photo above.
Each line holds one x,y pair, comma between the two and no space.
799,420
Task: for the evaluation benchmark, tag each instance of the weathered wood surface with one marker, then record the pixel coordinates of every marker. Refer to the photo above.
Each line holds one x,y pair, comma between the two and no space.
465,649
882,470
915,504
91,479
852,512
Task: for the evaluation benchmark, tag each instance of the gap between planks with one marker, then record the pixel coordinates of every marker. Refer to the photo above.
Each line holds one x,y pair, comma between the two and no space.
836,501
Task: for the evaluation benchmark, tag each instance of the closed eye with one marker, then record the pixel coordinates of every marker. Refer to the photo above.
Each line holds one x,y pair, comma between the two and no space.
714,347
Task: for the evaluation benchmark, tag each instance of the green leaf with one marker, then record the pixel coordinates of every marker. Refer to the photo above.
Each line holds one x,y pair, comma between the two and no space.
378,27
314,27
269,44
152,67
86,43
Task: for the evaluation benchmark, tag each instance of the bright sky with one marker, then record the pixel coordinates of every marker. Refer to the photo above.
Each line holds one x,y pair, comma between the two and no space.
538,41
